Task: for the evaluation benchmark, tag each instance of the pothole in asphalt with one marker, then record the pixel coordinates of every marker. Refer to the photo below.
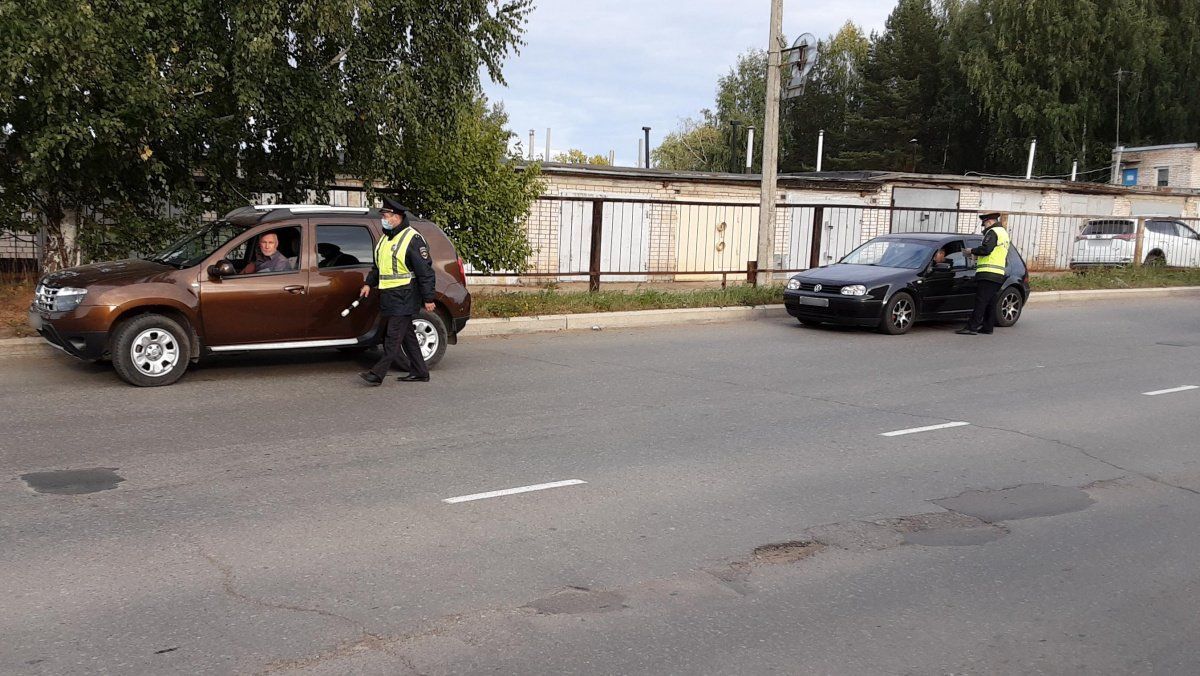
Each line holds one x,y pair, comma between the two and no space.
73,481
945,529
1021,502
786,552
955,537
577,601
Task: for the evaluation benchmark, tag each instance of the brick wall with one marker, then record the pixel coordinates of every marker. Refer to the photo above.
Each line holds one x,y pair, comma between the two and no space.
1183,165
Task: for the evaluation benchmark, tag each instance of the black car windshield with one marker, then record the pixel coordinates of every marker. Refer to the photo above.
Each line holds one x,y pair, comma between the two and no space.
892,253
199,245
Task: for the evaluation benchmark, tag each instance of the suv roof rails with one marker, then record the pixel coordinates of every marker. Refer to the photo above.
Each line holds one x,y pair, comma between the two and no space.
312,208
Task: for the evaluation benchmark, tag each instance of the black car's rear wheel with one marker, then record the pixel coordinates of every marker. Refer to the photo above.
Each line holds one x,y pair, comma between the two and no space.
898,315
1008,308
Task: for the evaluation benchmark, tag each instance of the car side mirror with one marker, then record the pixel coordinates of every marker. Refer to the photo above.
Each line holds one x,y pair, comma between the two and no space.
222,269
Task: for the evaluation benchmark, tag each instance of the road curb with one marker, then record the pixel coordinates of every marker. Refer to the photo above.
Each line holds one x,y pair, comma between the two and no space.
500,326
21,347
507,326
1111,294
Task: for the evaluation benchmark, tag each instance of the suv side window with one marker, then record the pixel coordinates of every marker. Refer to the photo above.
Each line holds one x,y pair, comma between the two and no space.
1184,231
342,246
250,257
1161,227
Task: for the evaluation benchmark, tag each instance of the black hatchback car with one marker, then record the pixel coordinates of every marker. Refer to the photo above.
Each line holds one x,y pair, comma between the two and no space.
894,281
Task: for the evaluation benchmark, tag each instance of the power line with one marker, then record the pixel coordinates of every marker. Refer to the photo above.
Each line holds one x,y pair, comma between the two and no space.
1066,175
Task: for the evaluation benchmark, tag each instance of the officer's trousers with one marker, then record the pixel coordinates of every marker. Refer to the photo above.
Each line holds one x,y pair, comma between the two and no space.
399,332
984,317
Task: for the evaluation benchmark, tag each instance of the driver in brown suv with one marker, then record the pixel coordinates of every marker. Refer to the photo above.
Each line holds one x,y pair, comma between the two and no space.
268,258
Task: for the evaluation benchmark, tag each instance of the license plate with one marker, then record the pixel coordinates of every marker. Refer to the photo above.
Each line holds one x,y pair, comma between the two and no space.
818,302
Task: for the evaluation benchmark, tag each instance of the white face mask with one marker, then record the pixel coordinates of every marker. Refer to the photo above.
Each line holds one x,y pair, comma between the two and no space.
385,224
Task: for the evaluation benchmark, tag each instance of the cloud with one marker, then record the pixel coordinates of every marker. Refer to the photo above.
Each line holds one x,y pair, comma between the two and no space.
596,72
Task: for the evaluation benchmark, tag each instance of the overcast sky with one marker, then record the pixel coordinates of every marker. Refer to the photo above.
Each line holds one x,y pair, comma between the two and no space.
596,72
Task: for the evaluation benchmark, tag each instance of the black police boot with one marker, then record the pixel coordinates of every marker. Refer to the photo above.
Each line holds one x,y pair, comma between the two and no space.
371,378
966,331
413,379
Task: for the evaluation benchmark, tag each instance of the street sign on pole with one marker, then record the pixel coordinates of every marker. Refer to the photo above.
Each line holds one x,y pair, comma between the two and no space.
799,60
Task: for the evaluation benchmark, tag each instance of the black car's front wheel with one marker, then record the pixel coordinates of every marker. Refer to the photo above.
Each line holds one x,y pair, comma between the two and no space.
1008,308
899,314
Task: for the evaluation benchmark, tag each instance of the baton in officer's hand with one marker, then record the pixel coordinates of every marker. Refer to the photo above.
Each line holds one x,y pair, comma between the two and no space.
352,306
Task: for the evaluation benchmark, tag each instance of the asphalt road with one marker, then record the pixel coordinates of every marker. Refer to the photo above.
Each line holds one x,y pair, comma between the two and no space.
740,511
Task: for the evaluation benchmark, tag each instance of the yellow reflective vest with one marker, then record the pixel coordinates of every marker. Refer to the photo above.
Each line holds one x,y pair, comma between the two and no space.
997,261
389,258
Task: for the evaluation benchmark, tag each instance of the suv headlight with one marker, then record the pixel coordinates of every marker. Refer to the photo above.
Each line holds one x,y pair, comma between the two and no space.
793,284
68,298
854,290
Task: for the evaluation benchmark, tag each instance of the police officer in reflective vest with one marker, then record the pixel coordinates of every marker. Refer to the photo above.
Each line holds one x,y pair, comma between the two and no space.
990,266
404,274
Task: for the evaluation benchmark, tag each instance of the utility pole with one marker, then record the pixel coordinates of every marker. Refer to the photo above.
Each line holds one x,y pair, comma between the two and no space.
770,156
646,131
820,148
1116,173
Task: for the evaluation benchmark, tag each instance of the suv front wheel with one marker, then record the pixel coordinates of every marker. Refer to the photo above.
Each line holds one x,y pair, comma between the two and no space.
150,350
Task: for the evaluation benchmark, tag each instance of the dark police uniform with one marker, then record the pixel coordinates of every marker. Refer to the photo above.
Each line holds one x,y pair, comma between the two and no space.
990,273
398,304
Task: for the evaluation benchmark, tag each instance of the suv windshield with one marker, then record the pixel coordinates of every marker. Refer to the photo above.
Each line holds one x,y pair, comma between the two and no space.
199,245
892,253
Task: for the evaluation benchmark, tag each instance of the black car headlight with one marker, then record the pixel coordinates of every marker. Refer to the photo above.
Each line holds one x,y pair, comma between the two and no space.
793,284
854,290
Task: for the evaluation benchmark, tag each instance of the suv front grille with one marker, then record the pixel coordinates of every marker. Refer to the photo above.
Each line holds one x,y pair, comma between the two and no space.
44,297
825,288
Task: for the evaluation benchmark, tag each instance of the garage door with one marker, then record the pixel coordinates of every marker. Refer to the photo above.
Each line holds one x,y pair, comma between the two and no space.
914,210
1139,207
624,243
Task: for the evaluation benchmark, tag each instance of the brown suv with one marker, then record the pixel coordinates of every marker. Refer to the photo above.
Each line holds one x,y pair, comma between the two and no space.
152,317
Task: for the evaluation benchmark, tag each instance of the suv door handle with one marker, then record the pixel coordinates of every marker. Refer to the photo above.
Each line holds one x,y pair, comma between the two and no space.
295,288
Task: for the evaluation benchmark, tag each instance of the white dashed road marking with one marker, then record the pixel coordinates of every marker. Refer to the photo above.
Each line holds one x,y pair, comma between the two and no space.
1173,390
514,491
930,428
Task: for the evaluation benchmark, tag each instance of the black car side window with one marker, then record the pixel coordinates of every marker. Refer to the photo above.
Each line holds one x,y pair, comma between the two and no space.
955,255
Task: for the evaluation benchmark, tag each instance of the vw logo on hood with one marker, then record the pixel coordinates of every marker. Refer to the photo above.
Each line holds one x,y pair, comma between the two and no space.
817,288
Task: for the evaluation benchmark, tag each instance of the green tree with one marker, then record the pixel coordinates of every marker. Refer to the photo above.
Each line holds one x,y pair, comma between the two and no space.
1047,70
111,111
470,183
901,81
707,143
831,94
695,146
577,156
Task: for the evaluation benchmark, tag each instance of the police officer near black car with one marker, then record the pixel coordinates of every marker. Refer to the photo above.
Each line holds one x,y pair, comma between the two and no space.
990,269
404,275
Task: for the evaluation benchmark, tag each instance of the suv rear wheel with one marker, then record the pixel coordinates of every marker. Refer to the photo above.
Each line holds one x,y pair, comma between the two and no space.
432,336
150,350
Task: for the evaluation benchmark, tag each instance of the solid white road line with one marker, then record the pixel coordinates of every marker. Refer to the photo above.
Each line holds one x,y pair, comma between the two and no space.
1173,390
514,491
930,428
